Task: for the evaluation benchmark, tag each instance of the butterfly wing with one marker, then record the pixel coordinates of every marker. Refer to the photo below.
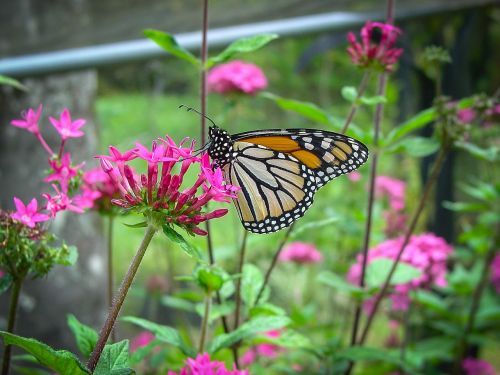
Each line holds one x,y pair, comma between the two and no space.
279,172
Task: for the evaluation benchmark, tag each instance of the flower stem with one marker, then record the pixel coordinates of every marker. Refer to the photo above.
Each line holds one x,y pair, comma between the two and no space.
45,145
238,283
273,263
110,269
355,104
14,299
204,322
371,200
119,298
385,287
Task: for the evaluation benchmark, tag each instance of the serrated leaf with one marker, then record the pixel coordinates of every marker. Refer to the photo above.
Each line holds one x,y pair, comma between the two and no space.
173,236
8,81
242,45
114,360
85,337
169,44
163,333
5,282
378,269
251,282
247,330
61,361
373,100
349,93
416,146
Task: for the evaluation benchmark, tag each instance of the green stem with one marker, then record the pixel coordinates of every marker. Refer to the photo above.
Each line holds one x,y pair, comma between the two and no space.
110,269
204,322
14,300
355,104
273,263
120,298
238,283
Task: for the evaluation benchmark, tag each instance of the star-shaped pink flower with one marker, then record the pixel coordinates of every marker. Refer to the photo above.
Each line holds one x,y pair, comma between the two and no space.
67,128
28,215
30,120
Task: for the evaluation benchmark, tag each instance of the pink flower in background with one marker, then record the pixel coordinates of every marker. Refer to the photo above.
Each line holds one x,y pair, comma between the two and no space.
141,340
395,223
300,252
236,76
393,188
426,251
28,214
160,189
60,202
377,46
474,366
263,350
67,128
466,115
30,120
202,365
495,273
2,273
157,284
354,176
62,171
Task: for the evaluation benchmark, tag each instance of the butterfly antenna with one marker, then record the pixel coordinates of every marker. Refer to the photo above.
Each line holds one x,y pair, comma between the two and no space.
198,112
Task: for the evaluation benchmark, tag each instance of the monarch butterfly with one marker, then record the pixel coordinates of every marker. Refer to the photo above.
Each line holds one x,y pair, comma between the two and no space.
279,171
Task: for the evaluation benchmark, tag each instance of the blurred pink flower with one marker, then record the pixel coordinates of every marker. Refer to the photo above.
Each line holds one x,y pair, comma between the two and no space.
30,120
28,214
202,365
60,202
354,176
67,128
395,223
157,284
2,273
474,366
141,340
236,76
426,251
393,188
300,252
495,273
62,171
264,350
376,48
466,115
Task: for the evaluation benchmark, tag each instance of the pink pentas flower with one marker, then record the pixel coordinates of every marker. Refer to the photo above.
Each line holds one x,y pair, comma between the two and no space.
60,202
392,188
395,223
203,365
474,366
426,252
354,176
66,127
62,171
160,190
30,120
466,115
28,214
300,252
142,339
236,76
376,49
267,350
495,273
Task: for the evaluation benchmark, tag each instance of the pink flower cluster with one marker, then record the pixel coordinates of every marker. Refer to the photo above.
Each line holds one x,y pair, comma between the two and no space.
202,365
236,76
376,49
495,273
470,115
394,190
159,190
141,340
300,252
262,350
64,177
426,251
474,366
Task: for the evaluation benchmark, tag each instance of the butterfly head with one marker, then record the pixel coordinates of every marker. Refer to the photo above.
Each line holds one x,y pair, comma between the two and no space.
221,146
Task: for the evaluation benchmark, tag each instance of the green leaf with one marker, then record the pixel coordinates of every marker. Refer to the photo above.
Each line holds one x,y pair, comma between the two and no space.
416,146
209,278
314,224
247,330
163,333
242,45
287,339
216,311
349,93
377,271
114,360
482,191
373,100
431,301
465,207
363,353
5,282
173,236
416,122
251,282
306,109
85,337
340,284
142,224
178,303
488,154
7,81
30,371
60,361
169,44
435,348
140,353
266,309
